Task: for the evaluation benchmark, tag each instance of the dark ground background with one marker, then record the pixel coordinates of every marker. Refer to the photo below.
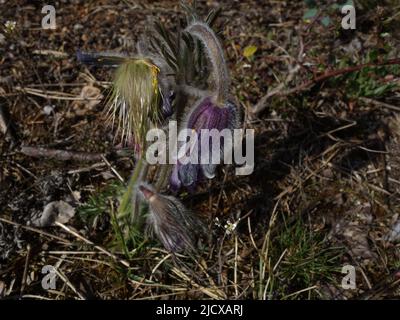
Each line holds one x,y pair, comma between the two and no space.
324,193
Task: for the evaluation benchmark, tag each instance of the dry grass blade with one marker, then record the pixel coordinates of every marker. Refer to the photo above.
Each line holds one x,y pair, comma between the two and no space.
101,249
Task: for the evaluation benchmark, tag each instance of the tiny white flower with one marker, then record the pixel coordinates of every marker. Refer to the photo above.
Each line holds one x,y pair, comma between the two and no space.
10,26
230,227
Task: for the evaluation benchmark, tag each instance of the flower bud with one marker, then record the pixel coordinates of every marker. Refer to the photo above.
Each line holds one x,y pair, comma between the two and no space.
172,223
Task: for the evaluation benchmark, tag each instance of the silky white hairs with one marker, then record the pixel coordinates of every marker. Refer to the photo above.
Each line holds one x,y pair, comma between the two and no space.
216,56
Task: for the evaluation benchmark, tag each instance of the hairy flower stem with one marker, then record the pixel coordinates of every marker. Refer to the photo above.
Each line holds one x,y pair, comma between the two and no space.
216,55
135,218
130,193
164,173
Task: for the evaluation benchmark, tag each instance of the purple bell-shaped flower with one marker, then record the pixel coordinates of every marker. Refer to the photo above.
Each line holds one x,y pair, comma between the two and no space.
206,115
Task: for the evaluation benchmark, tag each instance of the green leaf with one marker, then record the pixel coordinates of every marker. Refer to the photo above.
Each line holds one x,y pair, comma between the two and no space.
340,6
326,21
381,90
373,55
249,51
310,13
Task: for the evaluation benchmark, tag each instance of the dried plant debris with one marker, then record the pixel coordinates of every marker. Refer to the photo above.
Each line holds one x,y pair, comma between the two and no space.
394,235
393,156
2,289
354,230
56,211
10,241
89,97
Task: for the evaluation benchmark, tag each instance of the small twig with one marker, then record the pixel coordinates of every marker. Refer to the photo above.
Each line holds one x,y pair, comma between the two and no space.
56,95
87,169
158,265
101,249
69,284
112,168
57,54
331,74
300,291
64,155
390,282
380,104
262,104
25,274
35,230
278,91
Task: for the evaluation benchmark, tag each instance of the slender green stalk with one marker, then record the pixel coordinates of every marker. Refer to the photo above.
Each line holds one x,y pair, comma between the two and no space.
135,219
164,173
130,193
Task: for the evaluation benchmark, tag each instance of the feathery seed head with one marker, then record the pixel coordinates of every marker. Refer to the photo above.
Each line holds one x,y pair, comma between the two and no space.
172,223
135,98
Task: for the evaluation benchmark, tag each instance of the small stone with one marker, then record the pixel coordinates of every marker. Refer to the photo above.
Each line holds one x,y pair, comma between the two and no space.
48,110
78,27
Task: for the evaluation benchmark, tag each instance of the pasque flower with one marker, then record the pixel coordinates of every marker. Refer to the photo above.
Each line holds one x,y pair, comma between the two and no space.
175,226
213,111
142,98
206,115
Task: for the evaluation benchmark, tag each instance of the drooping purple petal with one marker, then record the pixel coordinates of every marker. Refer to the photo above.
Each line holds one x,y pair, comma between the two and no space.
174,182
188,174
206,115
